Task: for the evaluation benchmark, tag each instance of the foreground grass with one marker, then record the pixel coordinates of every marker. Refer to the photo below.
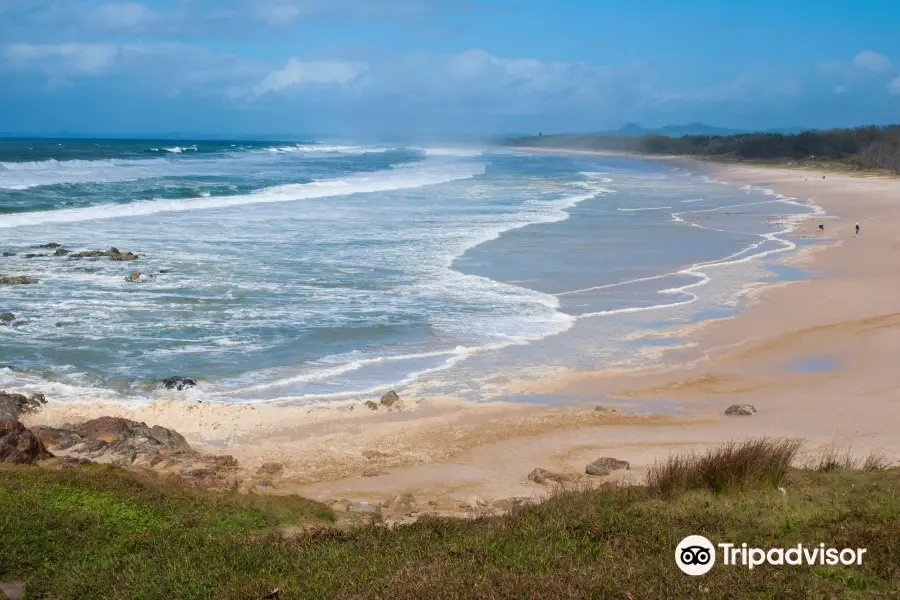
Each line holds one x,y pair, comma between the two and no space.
100,533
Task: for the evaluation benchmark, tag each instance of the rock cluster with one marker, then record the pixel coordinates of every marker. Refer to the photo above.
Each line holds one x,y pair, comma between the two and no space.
113,254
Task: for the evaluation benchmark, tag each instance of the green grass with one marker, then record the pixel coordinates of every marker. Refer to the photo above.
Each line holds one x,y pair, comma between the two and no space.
99,532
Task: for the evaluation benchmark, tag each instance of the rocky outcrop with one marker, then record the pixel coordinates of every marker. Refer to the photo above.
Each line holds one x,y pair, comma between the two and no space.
178,383
740,410
33,255
390,399
61,252
5,254
19,445
370,405
605,466
17,280
126,443
51,245
7,318
113,254
13,406
544,477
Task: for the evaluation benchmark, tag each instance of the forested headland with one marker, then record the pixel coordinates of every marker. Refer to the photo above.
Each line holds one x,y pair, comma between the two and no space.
863,148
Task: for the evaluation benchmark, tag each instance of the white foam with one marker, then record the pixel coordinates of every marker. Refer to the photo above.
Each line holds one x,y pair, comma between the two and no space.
398,178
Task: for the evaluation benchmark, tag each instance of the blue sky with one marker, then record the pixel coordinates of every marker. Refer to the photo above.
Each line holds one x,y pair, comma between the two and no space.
442,67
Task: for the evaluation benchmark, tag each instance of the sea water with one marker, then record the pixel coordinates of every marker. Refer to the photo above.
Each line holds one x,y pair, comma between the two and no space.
311,272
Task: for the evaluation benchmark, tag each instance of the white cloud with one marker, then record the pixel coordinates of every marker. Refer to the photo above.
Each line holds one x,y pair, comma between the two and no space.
298,72
62,59
872,61
894,87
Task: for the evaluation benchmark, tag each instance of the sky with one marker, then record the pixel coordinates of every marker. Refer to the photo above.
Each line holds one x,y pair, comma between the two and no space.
381,68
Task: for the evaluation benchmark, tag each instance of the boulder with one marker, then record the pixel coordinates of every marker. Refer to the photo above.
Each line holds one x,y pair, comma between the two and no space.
17,280
19,445
60,252
9,254
270,468
7,318
35,255
51,245
116,254
178,383
164,271
13,406
605,466
371,405
133,276
741,410
543,477
390,399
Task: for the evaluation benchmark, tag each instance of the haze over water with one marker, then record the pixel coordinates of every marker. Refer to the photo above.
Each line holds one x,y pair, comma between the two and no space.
314,272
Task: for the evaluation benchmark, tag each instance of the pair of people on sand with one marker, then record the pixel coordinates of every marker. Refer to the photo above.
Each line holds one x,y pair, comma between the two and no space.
822,228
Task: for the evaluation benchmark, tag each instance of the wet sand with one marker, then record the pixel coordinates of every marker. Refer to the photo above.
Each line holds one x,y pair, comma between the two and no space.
814,356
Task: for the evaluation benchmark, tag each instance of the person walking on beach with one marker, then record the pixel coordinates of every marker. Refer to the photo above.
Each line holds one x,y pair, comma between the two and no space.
857,229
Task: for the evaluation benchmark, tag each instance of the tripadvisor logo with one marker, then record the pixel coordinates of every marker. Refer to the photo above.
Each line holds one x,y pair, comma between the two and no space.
696,555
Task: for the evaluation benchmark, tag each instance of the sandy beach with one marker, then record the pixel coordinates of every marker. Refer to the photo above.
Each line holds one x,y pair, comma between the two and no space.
813,355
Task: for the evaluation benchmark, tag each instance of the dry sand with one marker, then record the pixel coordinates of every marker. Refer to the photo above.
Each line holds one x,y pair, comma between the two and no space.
846,322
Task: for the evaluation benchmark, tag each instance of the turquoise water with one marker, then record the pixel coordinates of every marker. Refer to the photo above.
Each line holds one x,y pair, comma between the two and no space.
312,272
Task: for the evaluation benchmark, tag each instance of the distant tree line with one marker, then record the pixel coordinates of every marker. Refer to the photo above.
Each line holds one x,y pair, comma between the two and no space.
863,147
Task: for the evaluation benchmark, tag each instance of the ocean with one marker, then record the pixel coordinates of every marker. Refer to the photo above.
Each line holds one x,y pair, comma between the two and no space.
313,272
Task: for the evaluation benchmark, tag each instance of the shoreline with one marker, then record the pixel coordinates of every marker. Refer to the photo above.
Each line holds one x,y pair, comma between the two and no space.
450,450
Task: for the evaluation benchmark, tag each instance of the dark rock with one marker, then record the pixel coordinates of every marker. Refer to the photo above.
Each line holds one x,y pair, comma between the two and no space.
51,245
7,318
178,383
61,252
165,271
13,406
9,254
605,466
742,410
371,405
543,476
116,254
18,445
272,468
18,280
133,276
64,323
113,254
390,399
34,255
